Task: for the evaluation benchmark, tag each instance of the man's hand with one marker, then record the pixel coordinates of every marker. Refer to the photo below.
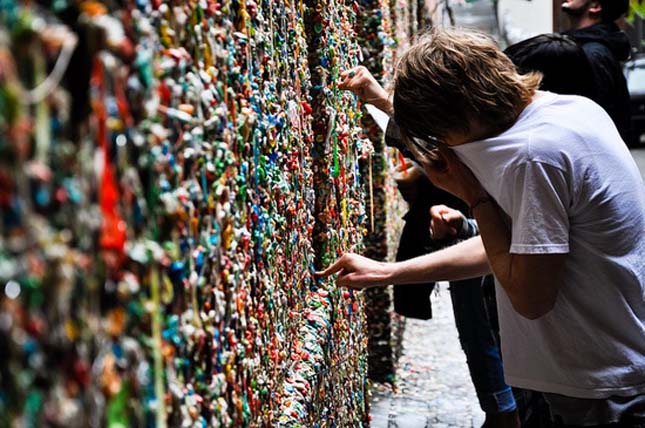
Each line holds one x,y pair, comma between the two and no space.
362,83
445,222
358,272
455,178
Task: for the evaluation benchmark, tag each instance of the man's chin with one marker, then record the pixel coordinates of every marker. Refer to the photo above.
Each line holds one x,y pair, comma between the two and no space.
572,11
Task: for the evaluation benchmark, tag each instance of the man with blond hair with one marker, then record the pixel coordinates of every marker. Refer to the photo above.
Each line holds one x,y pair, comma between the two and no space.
560,205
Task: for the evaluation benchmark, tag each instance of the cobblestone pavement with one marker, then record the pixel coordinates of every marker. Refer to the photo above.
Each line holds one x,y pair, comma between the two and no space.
433,387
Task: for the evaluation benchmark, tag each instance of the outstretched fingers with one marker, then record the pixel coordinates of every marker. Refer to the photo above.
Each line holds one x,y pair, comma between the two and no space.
335,267
357,272
353,280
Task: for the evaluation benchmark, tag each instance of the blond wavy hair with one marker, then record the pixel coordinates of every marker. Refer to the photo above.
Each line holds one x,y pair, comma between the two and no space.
451,79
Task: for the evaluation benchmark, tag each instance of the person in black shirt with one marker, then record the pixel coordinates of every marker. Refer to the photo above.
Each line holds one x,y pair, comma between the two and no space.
563,63
592,26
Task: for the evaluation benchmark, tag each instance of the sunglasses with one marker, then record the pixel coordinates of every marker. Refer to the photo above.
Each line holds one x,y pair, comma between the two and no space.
425,149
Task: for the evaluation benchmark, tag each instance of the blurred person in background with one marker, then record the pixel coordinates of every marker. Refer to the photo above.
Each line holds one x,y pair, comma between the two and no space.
593,26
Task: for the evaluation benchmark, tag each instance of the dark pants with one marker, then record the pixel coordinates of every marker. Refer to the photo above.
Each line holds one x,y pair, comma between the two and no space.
569,412
478,336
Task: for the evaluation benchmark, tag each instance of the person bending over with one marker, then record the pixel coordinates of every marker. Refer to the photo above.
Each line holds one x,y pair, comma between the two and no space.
556,197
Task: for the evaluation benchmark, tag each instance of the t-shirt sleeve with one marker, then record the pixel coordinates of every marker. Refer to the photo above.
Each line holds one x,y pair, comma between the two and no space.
540,211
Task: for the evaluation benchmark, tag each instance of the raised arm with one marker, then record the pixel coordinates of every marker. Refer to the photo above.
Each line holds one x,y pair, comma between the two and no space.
361,82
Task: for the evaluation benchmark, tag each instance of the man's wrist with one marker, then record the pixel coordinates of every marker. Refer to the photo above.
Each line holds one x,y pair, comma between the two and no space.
393,272
464,227
384,104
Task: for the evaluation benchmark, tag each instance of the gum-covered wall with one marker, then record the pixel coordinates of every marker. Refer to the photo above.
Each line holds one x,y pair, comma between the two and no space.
171,175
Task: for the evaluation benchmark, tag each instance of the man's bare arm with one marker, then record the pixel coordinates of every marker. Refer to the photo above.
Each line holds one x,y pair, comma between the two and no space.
464,260
521,275
461,261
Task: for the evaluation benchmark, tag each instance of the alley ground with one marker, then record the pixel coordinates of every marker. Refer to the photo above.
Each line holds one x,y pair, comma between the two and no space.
433,388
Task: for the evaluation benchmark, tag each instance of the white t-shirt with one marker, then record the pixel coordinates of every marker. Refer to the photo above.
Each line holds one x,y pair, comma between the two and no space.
569,185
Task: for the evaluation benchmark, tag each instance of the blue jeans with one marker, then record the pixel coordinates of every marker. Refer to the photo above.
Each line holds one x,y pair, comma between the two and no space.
478,331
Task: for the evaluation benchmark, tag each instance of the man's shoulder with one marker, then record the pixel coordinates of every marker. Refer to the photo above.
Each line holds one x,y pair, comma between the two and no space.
603,41
551,118
597,51
557,110
564,123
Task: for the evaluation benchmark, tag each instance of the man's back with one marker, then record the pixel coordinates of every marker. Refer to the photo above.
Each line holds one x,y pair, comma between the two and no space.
569,186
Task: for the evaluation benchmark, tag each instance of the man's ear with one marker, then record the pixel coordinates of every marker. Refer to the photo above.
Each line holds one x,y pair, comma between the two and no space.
594,9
